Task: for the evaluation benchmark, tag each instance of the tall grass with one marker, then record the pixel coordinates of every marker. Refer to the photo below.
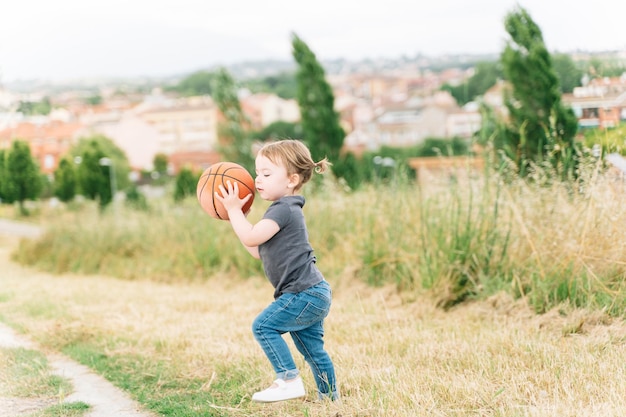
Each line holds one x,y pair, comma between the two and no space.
465,249
458,236
168,243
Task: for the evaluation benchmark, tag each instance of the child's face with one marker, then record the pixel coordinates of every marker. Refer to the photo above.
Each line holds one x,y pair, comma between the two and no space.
272,181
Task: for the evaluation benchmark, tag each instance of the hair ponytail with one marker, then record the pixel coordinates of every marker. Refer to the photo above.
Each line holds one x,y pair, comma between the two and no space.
322,166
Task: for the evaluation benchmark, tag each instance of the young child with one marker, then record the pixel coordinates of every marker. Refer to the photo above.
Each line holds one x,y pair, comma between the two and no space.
302,296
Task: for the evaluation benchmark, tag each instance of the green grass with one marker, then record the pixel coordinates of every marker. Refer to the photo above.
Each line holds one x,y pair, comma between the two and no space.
159,384
463,237
25,373
156,384
75,409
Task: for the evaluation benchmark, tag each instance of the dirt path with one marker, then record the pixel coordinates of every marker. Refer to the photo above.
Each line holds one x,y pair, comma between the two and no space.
105,399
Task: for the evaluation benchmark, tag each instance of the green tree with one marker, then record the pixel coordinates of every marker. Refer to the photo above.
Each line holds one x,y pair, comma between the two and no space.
93,177
611,140
486,74
279,130
540,128
321,129
235,145
23,175
186,184
604,67
94,100
283,85
570,76
350,169
442,147
106,149
35,107
65,182
492,126
159,163
4,176
199,83
136,199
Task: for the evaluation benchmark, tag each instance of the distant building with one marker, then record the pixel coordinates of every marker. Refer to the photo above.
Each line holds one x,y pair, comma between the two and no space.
183,129
186,129
494,97
410,122
8,100
463,123
264,109
600,102
138,139
197,161
185,124
48,141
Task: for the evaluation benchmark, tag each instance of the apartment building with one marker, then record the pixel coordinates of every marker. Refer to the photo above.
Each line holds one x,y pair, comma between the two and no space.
375,88
184,124
49,140
408,122
600,102
138,139
264,109
184,129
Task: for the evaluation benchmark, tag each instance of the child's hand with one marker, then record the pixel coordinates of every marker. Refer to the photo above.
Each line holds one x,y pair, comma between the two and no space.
230,197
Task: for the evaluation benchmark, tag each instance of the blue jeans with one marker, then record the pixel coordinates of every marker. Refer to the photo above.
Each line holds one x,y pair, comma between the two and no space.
302,316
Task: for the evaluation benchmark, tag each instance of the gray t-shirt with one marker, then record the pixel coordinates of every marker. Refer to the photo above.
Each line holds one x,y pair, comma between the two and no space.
287,257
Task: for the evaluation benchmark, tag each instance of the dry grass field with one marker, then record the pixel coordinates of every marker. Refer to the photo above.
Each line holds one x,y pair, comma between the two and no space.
393,357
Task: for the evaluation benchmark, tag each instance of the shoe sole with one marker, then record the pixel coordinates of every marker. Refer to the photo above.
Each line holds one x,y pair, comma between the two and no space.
276,401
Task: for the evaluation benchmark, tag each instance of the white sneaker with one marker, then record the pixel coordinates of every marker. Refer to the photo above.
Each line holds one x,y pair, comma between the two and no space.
281,390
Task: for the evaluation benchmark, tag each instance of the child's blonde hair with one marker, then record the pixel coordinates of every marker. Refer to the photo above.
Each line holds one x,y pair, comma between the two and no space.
296,158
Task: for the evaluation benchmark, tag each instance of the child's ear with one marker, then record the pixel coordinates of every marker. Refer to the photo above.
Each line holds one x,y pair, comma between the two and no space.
294,179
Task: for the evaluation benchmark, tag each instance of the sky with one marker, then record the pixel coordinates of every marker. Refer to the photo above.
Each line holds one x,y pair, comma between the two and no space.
68,39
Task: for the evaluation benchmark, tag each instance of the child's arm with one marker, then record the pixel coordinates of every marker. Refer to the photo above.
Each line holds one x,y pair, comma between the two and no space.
253,250
251,236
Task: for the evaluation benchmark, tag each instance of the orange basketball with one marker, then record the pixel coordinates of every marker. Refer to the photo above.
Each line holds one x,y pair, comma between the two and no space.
216,175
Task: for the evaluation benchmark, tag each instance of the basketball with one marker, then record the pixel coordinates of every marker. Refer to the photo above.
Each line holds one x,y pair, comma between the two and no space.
216,175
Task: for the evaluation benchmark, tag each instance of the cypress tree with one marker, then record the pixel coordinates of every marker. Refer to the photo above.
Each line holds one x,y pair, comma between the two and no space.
540,128
234,145
321,129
